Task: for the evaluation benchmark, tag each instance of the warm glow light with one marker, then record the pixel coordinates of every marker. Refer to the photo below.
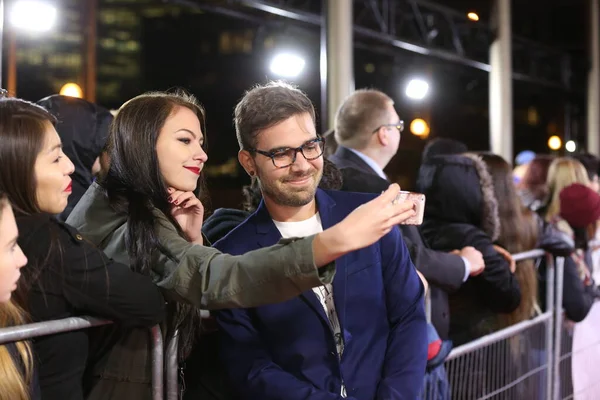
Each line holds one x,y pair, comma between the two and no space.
419,127
71,90
287,65
417,89
554,143
473,16
33,15
570,146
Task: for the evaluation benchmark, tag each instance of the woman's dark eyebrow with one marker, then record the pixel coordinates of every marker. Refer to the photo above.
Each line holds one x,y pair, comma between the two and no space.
190,132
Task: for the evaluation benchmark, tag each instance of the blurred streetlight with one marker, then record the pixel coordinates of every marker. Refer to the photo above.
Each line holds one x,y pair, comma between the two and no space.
417,89
420,128
571,146
554,143
33,15
287,65
473,16
29,15
72,90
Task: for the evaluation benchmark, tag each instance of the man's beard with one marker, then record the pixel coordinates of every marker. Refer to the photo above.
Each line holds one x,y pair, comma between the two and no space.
290,196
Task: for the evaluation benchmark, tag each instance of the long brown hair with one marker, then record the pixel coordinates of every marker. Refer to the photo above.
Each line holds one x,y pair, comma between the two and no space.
16,374
22,128
518,233
132,148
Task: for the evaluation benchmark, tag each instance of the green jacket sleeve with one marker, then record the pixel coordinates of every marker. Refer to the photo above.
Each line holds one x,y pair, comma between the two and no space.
209,279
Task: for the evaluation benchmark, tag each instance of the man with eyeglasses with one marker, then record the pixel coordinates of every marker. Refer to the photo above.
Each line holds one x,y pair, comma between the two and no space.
368,132
362,337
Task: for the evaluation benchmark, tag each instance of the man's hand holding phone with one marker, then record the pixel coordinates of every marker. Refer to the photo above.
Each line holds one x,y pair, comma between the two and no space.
418,200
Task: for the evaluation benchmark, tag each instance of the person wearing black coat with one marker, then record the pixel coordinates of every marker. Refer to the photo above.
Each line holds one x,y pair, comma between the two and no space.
65,276
579,209
461,210
77,280
357,118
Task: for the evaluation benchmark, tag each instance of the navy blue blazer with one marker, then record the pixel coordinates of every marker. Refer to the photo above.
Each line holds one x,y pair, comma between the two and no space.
286,351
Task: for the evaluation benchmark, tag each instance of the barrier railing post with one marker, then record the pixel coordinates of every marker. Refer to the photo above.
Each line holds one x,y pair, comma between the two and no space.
511,362
550,273
558,322
172,365
28,331
157,363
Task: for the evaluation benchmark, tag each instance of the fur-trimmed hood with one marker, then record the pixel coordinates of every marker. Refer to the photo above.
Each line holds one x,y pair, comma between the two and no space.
459,189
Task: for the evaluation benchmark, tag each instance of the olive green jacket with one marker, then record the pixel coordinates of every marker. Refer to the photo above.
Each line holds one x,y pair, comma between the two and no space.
201,276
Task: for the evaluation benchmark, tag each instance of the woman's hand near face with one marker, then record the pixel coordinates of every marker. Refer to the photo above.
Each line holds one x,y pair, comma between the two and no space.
188,211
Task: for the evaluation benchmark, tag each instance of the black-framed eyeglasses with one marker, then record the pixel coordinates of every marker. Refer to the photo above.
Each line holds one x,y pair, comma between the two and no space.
285,157
399,125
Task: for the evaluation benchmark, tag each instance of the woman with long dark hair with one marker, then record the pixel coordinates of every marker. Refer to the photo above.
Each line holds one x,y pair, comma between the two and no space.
65,276
518,233
521,230
146,212
16,362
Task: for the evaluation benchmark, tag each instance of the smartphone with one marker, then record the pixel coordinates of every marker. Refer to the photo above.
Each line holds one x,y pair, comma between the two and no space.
419,200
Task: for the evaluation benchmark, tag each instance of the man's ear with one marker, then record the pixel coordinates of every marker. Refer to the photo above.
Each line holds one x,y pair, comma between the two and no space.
382,136
247,162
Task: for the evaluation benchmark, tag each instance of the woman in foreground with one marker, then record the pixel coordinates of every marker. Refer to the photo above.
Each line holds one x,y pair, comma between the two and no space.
66,276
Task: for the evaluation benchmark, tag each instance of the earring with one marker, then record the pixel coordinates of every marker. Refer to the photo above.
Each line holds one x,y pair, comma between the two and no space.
251,173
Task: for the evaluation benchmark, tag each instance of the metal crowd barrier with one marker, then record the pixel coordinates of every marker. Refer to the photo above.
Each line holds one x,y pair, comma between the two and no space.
28,331
528,360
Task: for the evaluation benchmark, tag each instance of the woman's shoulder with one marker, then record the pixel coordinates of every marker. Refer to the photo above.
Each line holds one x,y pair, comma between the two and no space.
39,230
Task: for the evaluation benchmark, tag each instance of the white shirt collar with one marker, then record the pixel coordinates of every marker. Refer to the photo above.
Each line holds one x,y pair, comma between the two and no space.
371,163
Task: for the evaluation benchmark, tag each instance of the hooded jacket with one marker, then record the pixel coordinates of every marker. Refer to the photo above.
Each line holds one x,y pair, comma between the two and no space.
461,210
83,129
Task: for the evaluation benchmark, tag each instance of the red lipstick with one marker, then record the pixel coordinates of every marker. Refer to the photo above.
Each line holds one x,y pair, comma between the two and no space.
195,170
69,188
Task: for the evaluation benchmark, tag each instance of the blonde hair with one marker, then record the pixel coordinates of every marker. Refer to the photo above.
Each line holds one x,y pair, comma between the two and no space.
16,373
563,172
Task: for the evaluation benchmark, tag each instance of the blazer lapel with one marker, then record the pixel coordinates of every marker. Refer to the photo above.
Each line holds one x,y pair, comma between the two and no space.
267,235
329,217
